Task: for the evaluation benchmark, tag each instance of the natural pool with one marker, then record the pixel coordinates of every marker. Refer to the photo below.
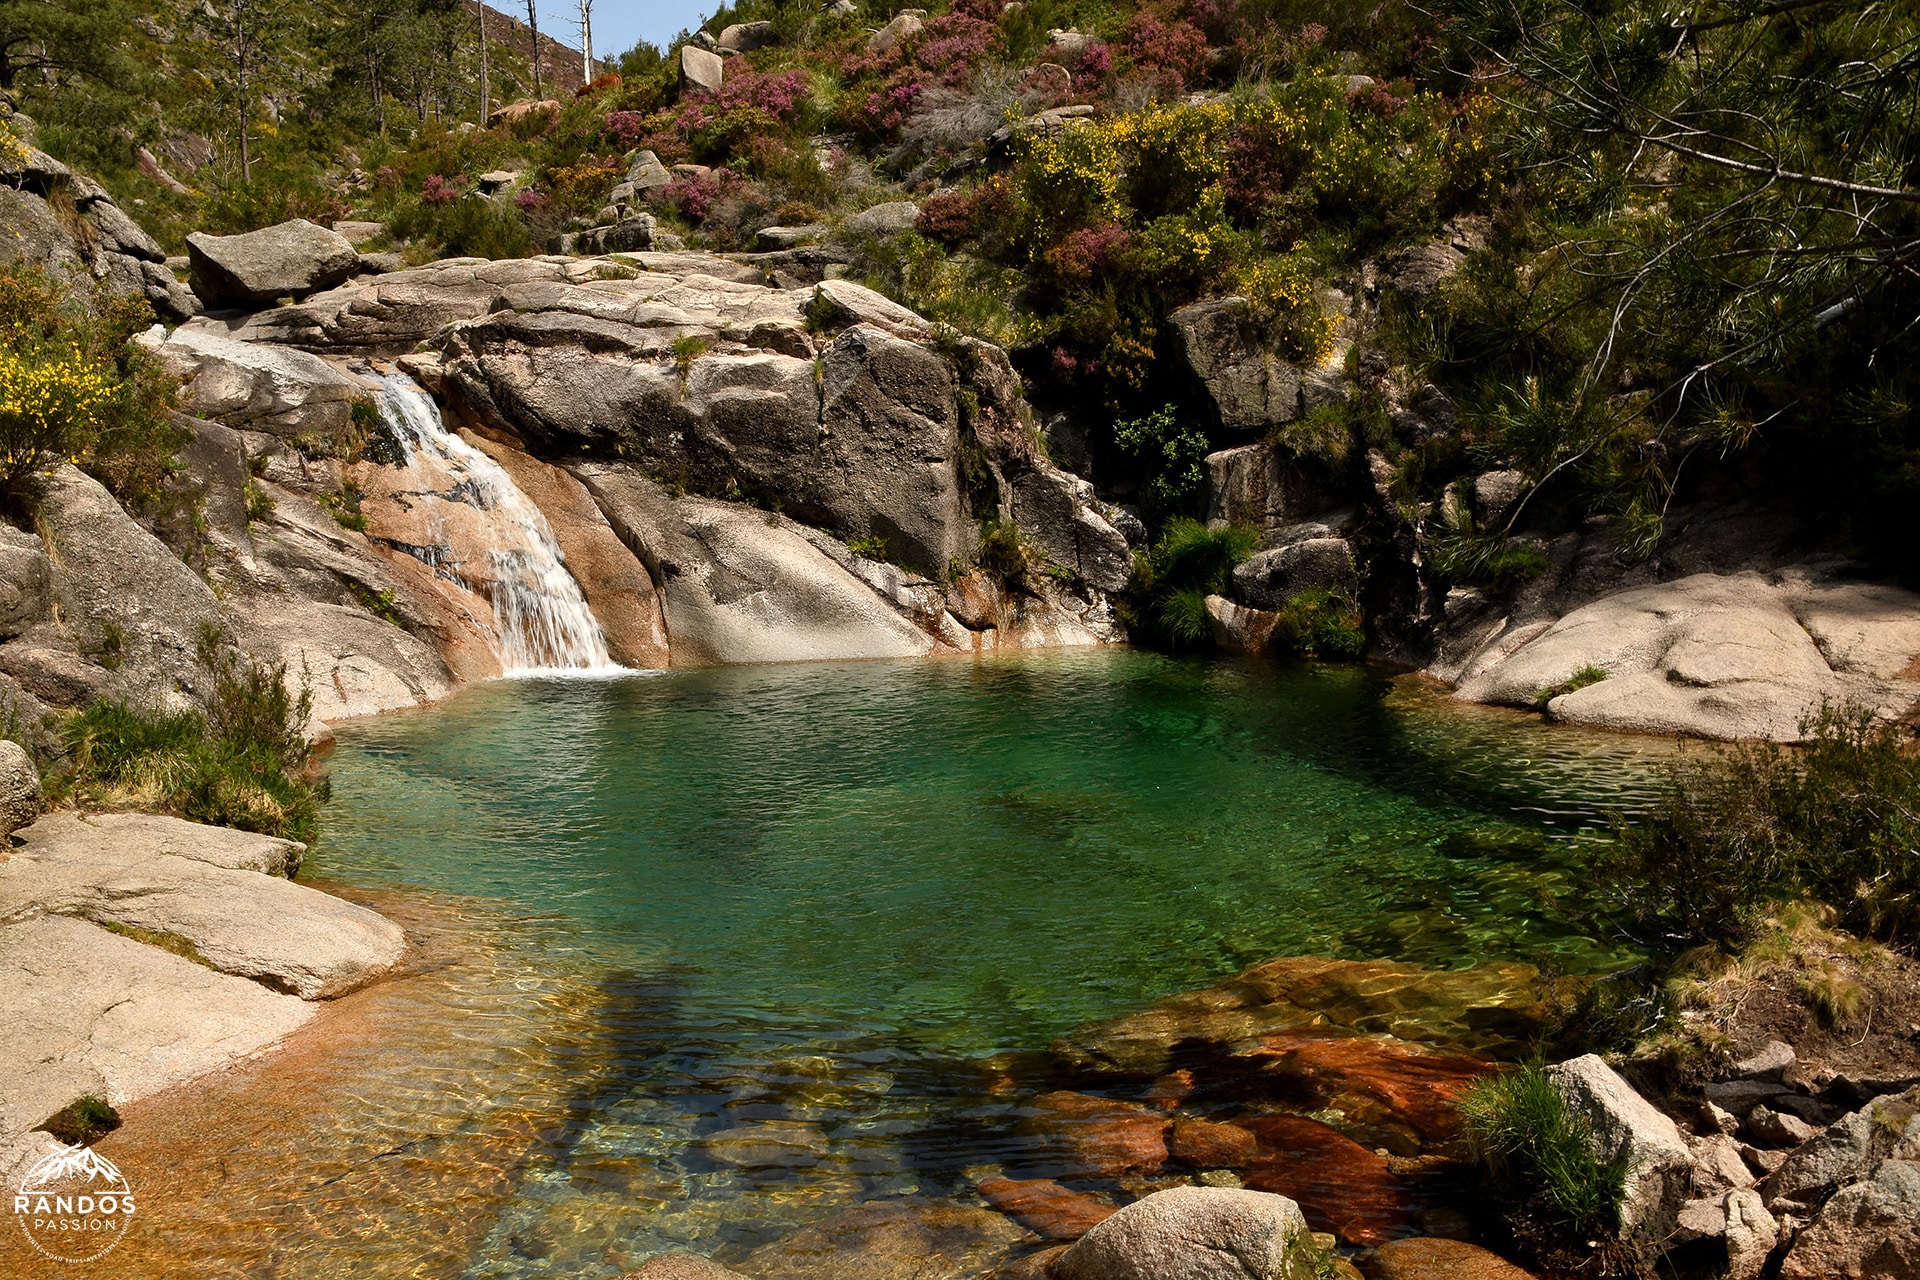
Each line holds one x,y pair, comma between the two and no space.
747,933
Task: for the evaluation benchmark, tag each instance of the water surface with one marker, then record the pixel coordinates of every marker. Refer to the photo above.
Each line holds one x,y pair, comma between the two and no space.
750,933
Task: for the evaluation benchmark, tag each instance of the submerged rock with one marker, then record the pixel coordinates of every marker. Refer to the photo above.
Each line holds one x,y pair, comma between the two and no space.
890,1240
1427,1258
1046,1208
1340,1185
1104,1136
1196,1233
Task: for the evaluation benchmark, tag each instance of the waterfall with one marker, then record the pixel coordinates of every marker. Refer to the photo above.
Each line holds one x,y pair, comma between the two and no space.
541,623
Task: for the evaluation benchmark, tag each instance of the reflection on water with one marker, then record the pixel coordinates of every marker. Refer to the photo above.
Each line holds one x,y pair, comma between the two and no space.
728,949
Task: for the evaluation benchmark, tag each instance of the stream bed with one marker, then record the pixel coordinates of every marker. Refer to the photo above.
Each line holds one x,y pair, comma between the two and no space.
708,956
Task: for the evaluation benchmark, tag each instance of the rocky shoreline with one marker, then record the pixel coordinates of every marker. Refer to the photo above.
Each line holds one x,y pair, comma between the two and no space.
145,951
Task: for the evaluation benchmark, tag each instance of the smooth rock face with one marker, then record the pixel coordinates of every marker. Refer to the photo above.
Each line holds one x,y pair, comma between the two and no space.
282,935
1195,1233
26,581
741,585
1848,1151
116,579
1624,1123
85,1011
256,387
1251,387
1238,629
701,69
293,258
1340,1185
1741,655
646,173
19,788
1263,486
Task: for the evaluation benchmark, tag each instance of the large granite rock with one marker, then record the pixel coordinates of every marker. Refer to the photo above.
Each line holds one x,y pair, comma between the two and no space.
1627,1125
743,585
701,69
67,224
1268,579
1265,487
173,880
261,387
26,581
1059,514
1870,1229
84,1011
745,37
1743,655
1252,389
1196,1233
291,259
121,589
19,788
889,219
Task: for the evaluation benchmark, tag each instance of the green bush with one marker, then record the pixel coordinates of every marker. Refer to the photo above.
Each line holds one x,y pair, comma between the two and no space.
1165,602
237,764
1170,458
1539,1155
75,388
1322,623
470,227
1758,825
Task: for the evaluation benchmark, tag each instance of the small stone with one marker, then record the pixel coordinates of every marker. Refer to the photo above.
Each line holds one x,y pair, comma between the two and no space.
1208,1144
1812,1110
904,27
1762,1161
745,37
890,219
1770,1063
1196,1233
1742,1096
1429,1258
1717,1166
776,238
355,233
1777,1129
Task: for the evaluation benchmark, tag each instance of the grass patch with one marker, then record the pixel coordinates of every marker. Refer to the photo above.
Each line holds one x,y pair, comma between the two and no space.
161,938
1539,1155
1581,679
345,508
1322,623
83,1120
237,764
1165,602
1004,554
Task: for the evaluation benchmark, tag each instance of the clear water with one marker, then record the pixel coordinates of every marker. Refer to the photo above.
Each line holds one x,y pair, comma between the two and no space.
883,872
737,949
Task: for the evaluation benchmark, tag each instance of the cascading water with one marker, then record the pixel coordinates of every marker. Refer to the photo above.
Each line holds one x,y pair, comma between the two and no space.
541,623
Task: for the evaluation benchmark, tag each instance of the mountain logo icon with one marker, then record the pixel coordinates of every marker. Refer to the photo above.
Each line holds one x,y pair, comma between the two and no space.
74,1204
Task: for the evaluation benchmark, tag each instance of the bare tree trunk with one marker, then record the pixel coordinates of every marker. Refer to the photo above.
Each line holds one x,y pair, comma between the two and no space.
240,64
486,112
533,25
586,41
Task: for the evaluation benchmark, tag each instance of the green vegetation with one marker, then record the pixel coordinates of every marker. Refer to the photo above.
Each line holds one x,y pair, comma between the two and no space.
1581,679
74,388
871,545
82,1120
1539,1157
1166,599
1759,827
238,764
161,938
1004,554
1322,623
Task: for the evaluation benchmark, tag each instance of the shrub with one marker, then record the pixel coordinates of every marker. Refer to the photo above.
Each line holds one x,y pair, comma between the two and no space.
1758,825
468,228
1004,553
1321,623
1540,1155
234,764
75,388
1168,455
1166,598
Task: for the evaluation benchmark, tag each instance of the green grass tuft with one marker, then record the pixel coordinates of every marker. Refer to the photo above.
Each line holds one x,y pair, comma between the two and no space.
1540,1153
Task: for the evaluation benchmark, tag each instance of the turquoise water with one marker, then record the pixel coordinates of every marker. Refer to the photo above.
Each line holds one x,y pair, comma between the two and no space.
814,895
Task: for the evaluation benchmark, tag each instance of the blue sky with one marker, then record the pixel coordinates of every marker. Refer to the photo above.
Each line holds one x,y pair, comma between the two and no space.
617,24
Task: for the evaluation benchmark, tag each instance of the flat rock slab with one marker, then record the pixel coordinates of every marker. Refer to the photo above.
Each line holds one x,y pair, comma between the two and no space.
143,835
240,921
1745,655
83,1010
